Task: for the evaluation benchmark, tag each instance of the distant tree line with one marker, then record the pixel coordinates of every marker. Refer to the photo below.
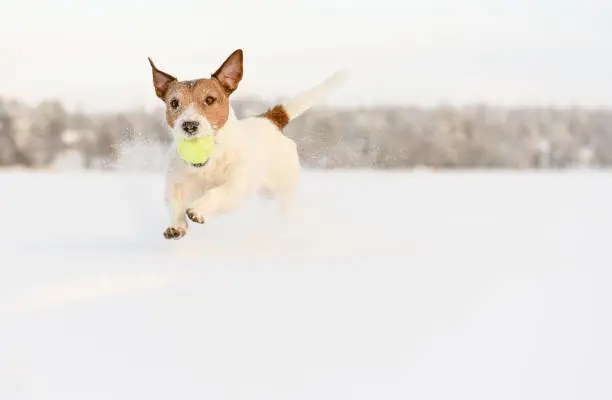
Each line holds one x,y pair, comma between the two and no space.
377,137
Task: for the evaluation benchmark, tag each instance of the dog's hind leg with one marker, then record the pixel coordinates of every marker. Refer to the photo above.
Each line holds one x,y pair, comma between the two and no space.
285,193
287,202
286,184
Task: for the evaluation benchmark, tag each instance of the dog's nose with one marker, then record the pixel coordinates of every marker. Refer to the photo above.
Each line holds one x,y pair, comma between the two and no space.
190,126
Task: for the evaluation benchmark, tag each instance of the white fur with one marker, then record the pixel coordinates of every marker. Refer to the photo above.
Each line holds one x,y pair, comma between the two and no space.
303,102
191,114
251,156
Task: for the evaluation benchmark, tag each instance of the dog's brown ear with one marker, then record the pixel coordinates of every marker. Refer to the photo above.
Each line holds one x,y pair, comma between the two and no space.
161,80
230,72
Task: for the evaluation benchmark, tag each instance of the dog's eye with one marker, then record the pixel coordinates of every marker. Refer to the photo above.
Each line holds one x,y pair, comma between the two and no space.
210,100
174,103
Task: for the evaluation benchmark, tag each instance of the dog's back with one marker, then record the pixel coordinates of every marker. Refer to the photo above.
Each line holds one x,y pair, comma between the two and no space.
273,153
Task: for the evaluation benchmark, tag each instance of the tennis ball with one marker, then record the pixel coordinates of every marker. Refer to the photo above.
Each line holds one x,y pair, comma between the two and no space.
197,150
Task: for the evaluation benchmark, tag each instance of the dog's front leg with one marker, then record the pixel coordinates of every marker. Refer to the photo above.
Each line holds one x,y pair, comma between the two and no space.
221,199
176,202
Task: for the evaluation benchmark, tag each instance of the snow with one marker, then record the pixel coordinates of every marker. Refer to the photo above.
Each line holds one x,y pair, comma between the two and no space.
399,285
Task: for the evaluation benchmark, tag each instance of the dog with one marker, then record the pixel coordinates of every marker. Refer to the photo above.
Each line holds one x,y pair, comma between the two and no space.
251,155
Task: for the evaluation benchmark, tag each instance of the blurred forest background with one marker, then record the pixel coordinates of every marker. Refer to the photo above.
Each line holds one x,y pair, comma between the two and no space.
477,136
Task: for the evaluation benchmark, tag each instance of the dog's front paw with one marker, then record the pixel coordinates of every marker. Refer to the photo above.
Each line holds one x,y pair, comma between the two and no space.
195,217
175,232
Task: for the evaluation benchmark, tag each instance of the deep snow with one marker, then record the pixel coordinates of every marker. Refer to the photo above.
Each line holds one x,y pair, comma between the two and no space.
411,285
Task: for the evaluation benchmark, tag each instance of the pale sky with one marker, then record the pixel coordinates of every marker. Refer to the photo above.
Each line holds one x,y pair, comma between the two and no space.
94,54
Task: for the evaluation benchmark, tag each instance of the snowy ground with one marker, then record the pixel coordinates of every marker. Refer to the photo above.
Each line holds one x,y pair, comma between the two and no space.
386,286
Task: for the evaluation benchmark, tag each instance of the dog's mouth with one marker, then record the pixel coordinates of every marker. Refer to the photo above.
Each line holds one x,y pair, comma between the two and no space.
199,133
196,135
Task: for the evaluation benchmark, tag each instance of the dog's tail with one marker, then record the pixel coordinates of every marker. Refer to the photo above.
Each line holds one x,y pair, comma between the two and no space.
282,114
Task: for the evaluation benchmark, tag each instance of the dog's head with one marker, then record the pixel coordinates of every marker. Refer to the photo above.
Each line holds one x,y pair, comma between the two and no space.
198,107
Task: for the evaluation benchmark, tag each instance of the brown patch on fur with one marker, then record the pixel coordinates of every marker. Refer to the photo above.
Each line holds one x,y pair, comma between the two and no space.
161,80
230,72
278,116
195,94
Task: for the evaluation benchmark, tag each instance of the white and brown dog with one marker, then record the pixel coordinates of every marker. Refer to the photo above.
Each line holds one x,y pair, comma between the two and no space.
251,155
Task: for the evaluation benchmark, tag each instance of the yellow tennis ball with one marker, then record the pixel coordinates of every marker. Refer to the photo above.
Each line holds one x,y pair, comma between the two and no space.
196,151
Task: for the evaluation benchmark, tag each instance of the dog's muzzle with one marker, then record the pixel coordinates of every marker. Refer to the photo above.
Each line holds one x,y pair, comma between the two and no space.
190,127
